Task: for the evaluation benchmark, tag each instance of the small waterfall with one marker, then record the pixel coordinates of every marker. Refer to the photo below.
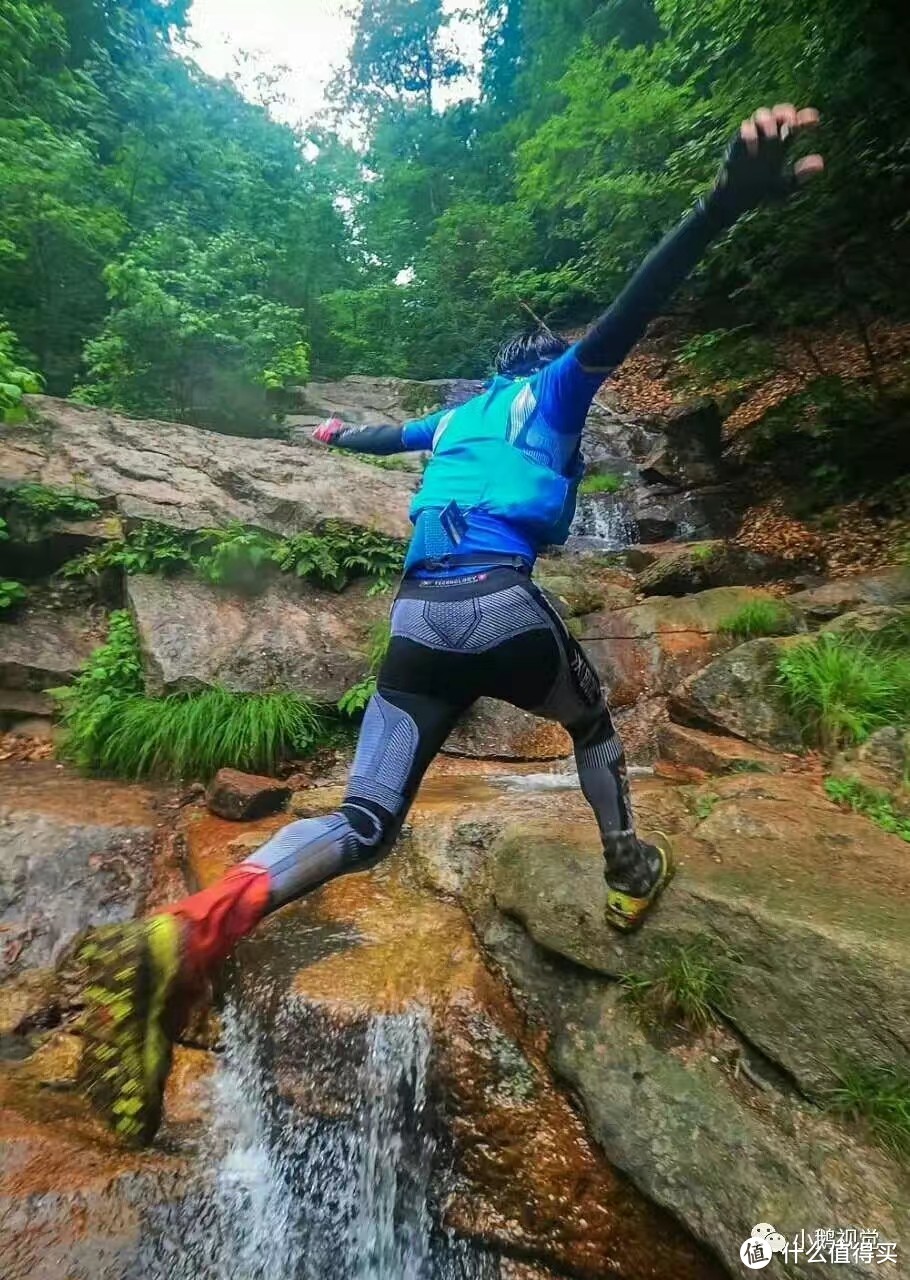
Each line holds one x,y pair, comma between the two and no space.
287,1196
604,522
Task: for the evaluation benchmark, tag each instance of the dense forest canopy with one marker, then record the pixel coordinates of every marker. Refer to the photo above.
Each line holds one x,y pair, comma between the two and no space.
168,248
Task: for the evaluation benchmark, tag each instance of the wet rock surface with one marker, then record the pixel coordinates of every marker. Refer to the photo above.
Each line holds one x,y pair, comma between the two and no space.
376,985
494,730
238,796
73,852
702,565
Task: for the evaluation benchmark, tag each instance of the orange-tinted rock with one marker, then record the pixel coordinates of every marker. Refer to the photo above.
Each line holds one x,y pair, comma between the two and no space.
713,753
528,1179
76,851
239,796
648,649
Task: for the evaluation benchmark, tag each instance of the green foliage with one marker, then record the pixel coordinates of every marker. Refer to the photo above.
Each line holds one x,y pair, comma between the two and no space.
834,440
606,483
241,558
219,343
353,702
685,983
11,593
111,727
878,1097
155,215
757,618
725,357
876,805
149,548
840,689
35,505
233,557
703,552
337,554
15,380
705,805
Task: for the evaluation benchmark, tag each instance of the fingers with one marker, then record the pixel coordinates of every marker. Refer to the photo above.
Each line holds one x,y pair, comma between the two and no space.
749,134
766,122
779,121
806,169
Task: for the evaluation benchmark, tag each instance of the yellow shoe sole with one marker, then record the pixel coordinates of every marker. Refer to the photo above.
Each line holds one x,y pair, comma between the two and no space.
625,913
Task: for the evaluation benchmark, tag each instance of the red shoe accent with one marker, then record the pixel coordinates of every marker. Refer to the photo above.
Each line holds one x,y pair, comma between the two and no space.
216,918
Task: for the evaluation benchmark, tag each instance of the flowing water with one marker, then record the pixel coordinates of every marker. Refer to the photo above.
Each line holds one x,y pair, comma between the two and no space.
288,1196
603,522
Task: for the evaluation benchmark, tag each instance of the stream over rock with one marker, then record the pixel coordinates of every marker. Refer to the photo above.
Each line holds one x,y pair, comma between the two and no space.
436,1069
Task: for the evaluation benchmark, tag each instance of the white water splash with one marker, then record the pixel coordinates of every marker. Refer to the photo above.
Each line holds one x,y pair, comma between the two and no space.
605,521
286,1196
567,781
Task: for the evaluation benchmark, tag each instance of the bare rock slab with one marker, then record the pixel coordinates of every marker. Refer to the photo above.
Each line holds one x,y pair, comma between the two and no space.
189,478
806,901
291,638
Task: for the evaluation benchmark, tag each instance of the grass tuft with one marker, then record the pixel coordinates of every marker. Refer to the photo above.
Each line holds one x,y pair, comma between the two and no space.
875,805
757,618
840,689
606,483
686,984
879,1097
112,727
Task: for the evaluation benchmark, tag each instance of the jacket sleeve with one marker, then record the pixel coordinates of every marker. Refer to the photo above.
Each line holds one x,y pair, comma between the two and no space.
376,440
382,441
611,338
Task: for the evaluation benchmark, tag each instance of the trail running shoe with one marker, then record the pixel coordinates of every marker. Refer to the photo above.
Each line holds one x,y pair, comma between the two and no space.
627,913
132,989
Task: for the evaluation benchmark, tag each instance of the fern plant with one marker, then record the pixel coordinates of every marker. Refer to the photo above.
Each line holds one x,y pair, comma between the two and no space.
354,701
233,557
150,548
35,505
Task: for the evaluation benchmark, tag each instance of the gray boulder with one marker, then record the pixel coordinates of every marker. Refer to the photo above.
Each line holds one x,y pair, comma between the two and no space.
701,565
291,638
689,454
738,693
190,479
841,595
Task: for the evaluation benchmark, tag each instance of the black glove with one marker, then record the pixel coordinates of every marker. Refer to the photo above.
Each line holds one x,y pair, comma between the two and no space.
757,165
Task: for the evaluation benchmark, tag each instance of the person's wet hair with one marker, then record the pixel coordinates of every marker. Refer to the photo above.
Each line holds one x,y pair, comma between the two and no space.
525,353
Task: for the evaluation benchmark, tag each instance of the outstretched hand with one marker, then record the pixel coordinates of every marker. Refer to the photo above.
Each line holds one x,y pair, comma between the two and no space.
756,166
